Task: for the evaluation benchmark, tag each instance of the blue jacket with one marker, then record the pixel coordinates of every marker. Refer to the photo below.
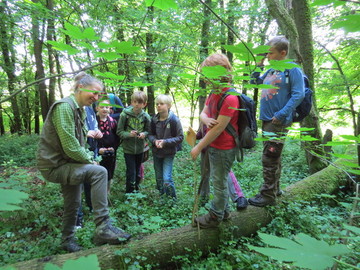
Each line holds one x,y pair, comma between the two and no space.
281,100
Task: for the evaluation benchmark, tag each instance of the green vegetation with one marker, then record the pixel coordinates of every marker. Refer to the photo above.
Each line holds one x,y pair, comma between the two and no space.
34,232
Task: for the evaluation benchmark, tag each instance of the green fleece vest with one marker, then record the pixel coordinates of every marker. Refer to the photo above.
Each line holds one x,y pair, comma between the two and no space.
50,153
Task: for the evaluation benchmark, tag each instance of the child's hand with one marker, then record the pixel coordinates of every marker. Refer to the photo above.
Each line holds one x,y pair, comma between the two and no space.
102,150
159,143
133,133
195,153
141,135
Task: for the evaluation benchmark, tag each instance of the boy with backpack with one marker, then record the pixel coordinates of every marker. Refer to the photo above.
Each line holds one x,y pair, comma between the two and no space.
277,106
133,128
222,146
166,136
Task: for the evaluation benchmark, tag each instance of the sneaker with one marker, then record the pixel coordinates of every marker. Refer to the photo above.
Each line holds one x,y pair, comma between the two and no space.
261,201
106,233
208,221
70,245
241,203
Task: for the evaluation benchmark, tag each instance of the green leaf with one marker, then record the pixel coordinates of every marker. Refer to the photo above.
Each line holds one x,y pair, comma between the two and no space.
86,45
11,197
306,252
73,31
338,143
87,262
63,47
351,137
344,156
308,138
322,2
357,172
90,34
350,23
261,86
108,55
139,84
282,64
353,229
239,48
124,47
109,75
162,4
302,129
214,72
187,76
261,49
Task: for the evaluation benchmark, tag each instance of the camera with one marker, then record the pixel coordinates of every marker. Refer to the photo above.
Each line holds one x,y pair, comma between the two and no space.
108,153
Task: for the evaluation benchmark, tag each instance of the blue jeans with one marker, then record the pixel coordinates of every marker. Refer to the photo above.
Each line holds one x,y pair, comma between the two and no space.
220,166
163,173
133,163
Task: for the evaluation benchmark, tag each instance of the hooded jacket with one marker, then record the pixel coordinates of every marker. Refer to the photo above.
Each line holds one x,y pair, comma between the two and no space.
130,121
162,130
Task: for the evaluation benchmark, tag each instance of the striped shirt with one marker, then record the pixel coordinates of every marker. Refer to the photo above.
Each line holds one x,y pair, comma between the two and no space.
63,120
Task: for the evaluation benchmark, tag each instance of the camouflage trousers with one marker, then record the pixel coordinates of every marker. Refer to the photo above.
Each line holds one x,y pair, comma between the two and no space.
271,158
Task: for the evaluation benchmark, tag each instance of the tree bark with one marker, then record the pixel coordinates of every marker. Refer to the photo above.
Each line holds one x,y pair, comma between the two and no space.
295,19
6,43
149,69
39,63
161,248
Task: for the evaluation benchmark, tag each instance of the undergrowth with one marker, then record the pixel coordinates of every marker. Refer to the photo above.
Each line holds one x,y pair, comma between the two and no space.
35,231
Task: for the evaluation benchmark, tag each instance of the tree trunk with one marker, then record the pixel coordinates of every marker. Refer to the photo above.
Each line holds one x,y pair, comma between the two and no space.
149,69
298,21
51,53
160,248
8,65
204,50
40,73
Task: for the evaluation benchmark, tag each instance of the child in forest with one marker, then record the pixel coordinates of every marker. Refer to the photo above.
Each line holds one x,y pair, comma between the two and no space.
235,192
166,134
133,128
277,105
222,146
109,143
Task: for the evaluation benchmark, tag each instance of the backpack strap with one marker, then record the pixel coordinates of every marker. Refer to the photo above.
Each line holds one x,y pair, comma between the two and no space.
173,125
230,128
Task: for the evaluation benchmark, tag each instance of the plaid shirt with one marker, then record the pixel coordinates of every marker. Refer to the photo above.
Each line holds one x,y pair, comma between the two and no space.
63,120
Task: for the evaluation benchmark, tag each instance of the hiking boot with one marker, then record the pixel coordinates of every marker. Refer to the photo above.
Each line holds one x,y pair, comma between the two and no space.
70,245
261,201
208,221
106,233
227,216
241,203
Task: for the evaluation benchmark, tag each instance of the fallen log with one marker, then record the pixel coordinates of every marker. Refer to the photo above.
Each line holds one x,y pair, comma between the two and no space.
159,249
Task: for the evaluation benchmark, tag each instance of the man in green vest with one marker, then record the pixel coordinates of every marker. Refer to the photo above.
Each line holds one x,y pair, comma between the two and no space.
63,158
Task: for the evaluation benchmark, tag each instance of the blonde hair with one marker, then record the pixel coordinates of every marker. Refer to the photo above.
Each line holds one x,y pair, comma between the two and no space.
219,59
280,43
139,96
85,79
163,98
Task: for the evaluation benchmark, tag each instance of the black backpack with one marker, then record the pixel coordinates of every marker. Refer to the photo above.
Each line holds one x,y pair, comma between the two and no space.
304,107
247,126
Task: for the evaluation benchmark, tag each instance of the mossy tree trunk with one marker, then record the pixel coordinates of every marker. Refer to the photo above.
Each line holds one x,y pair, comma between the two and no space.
160,248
